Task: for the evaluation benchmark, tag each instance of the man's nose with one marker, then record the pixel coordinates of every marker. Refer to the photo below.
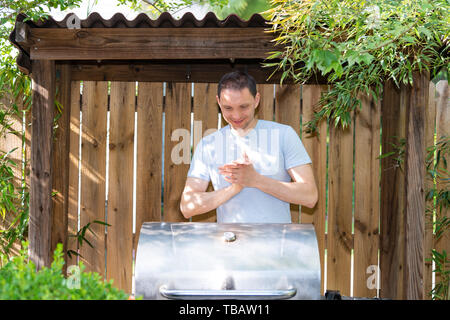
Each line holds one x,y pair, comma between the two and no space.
236,115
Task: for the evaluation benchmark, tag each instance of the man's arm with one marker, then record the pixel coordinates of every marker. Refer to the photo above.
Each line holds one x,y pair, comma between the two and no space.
302,190
195,200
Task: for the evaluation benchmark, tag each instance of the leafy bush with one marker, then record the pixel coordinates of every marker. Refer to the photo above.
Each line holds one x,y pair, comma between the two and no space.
438,202
357,45
20,280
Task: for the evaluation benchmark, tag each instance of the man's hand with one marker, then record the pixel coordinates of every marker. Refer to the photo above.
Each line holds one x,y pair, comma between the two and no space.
302,190
240,172
196,200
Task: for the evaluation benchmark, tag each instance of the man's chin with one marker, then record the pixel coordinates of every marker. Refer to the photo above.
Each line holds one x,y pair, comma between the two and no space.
239,126
239,129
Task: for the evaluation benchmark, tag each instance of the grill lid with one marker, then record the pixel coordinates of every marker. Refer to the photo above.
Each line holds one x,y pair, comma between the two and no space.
210,260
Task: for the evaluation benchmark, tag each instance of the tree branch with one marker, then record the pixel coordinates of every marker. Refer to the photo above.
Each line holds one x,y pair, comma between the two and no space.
153,5
182,8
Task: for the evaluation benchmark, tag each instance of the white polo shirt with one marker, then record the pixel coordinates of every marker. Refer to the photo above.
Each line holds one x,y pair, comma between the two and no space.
273,148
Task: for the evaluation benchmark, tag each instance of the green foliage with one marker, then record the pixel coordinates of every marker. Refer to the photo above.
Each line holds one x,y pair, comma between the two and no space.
14,86
81,236
438,203
10,77
20,280
222,8
13,201
398,151
156,7
243,8
356,45
437,171
441,288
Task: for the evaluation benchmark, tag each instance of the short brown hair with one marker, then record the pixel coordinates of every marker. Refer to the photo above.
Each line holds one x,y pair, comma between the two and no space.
237,80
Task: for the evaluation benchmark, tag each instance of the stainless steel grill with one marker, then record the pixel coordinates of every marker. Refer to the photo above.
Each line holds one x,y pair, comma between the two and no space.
227,261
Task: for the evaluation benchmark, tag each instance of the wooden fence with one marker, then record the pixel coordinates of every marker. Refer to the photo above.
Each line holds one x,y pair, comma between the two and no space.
120,132
16,142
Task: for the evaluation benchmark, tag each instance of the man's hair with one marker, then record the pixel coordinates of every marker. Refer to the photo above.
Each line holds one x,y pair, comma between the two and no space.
237,80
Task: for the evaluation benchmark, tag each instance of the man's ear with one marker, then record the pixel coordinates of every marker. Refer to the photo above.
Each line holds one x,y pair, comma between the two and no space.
218,101
257,99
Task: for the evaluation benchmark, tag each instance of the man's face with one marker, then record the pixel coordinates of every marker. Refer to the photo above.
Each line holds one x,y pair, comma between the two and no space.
238,107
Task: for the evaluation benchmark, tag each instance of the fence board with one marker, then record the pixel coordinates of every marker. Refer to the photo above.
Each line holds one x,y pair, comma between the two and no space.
392,243
40,222
265,109
415,195
177,151
339,236
93,172
430,124
310,99
443,129
149,154
120,194
205,118
316,146
287,111
74,137
367,187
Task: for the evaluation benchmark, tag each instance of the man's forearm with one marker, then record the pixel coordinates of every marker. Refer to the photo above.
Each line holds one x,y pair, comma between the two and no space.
293,192
194,203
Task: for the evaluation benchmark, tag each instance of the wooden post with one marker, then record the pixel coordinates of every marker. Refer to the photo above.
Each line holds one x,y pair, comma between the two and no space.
414,188
43,86
60,160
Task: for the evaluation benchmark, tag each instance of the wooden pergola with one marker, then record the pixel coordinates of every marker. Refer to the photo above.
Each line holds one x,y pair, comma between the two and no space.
189,50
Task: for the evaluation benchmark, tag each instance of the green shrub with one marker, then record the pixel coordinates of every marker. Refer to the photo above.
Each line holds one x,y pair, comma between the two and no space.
20,280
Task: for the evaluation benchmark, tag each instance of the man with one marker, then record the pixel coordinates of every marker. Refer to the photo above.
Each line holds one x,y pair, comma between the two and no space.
250,163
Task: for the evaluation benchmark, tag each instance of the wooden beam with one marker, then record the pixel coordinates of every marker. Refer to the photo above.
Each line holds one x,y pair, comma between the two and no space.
60,160
177,71
149,43
414,186
22,33
40,225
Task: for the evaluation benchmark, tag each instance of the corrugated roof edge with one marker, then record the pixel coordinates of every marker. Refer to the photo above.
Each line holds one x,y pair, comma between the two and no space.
165,20
142,20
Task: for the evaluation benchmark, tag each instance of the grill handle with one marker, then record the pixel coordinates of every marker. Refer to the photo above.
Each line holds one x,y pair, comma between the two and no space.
227,294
